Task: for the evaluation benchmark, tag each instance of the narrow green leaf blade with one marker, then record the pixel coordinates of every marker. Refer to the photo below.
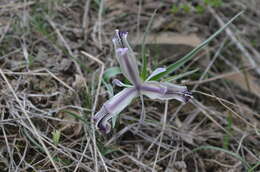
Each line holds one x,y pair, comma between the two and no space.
172,78
192,53
144,71
254,167
223,150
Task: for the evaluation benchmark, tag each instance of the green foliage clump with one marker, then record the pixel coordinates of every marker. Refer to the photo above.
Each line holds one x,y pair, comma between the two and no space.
198,8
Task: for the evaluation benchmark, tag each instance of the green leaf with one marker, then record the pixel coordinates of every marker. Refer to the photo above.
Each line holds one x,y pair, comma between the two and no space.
114,119
254,167
226,139
200,9
213,3
225,151
56,137
175,9
173,67
185,7
111,72
31,139
144,71
109,88
172,78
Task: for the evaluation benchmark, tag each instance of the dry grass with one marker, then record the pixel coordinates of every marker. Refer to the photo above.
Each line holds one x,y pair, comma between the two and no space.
53,54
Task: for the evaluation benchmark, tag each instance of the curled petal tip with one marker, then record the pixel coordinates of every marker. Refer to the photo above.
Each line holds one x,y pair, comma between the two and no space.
99,120
187,95
104,129
156,72
112,107
166,91
116,82
123,34
120,40
120,84
95,119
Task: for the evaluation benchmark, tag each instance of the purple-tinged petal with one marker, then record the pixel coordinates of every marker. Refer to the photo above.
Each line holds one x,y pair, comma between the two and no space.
184,95
165,91
120,84
120,40
126,58
156,72
117,40
98,118
128,66
114,106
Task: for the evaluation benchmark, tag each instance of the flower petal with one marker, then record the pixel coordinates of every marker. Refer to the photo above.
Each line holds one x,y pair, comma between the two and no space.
128,66
120,40
165,91
120,84
156,72
114,106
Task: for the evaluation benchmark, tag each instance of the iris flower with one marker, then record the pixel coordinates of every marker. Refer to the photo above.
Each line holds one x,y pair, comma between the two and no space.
152,89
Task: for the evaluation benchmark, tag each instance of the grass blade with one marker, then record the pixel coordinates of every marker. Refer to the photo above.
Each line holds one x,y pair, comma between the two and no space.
225,151
172,78
254,167
192,53
144,71
226,139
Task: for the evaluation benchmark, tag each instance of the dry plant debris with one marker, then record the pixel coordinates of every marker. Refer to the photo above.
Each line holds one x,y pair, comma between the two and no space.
50,90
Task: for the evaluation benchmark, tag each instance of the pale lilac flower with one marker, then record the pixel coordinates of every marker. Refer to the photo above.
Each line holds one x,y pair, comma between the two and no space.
114,106
126,58
151,89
